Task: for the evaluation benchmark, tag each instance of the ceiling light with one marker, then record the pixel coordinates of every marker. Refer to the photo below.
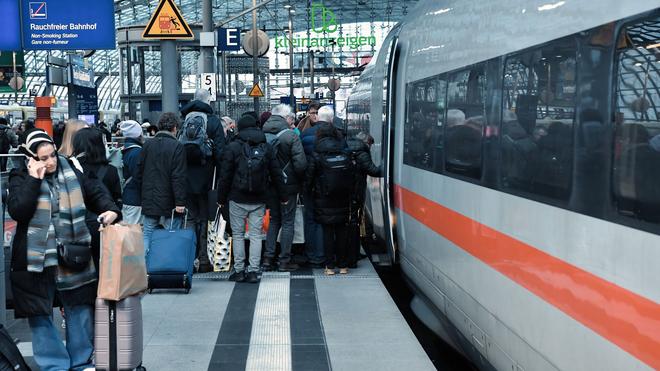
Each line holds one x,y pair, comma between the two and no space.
638,64
653,46
287,6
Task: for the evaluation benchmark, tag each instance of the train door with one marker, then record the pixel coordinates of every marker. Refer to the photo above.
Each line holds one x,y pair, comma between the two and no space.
388,142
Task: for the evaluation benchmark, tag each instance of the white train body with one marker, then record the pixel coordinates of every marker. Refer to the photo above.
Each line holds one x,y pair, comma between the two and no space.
516,282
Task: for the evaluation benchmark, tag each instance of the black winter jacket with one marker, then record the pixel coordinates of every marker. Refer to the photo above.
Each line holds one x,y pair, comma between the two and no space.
200,176
162,175
365,166
232,155
327,209
290,152
34,292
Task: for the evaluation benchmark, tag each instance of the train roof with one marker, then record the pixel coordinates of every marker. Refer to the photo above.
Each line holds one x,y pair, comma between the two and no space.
440,36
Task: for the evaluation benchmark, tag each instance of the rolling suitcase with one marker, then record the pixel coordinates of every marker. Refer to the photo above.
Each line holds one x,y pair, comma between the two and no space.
118,334
170,258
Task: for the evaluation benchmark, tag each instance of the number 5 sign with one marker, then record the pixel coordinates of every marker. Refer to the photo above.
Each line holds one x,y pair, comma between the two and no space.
208,83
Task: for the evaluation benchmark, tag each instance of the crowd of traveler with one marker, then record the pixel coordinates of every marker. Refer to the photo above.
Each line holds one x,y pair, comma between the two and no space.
196,161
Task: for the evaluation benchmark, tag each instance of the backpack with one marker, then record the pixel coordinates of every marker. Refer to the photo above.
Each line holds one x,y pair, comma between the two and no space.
274,141
337,174
10,356
195,139
252,169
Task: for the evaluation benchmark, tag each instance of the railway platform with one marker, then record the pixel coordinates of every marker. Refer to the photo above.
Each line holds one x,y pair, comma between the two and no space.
289,321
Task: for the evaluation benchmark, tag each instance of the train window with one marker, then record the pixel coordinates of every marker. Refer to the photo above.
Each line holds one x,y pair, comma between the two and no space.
425,116
636,179
466,91
538,112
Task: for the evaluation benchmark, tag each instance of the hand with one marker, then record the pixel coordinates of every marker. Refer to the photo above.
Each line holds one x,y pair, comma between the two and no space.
285,202
36,169
180,209
108,217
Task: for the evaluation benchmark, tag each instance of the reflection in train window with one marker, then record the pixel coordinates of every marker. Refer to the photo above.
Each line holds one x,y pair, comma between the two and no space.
636,175
465,122
538,117
423,132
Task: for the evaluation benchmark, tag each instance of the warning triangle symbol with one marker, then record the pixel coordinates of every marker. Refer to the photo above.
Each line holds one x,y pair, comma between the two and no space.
167,23
256,92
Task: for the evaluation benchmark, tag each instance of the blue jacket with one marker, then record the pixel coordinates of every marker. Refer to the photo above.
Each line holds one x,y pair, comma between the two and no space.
131,159
308,139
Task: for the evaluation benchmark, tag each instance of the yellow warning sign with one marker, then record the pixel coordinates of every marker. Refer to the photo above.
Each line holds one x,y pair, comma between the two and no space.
256,92
167,23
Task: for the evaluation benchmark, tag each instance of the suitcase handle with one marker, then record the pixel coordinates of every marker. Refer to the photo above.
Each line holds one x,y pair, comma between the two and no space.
185,219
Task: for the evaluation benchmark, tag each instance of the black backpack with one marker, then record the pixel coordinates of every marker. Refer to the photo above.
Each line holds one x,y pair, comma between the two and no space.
10,356
252,169
337,174
274,141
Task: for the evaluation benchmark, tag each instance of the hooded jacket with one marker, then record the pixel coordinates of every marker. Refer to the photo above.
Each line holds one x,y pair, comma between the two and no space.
200,177
162,175
290,153
232,155
327,209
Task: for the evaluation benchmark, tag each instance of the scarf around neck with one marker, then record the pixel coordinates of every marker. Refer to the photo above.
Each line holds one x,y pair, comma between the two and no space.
70,226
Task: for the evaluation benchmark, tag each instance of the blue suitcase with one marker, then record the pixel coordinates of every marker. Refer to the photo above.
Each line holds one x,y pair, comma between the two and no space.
170,258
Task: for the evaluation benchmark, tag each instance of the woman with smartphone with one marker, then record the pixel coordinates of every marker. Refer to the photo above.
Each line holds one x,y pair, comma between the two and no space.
51,252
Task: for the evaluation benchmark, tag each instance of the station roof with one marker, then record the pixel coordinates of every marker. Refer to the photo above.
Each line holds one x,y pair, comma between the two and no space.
271,16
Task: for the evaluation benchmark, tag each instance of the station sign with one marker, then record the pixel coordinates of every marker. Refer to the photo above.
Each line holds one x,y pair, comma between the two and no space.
209,83
68,25
167,23
256,92
87,104
10,26
325,33
229,39
78,74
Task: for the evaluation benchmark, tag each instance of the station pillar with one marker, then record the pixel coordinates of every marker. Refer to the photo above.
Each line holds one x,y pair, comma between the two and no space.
207,26
169,71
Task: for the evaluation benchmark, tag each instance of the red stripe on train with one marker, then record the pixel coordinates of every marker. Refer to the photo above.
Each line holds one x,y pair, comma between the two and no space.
628,320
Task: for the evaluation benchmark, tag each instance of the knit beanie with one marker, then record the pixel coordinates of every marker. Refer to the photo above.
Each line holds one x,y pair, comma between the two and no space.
246,121
34,138
130,129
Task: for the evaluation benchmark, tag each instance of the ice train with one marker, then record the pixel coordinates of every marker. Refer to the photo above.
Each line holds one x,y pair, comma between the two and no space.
521,197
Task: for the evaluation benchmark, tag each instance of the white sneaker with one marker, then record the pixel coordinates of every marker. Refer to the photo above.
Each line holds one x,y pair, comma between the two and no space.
196,265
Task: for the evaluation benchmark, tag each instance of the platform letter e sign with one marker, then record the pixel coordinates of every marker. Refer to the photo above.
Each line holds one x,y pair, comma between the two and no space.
328,19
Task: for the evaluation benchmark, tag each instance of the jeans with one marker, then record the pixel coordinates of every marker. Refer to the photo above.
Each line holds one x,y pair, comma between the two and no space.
131,214
152,222
313,233
335,239
283,216
255,216
49,351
